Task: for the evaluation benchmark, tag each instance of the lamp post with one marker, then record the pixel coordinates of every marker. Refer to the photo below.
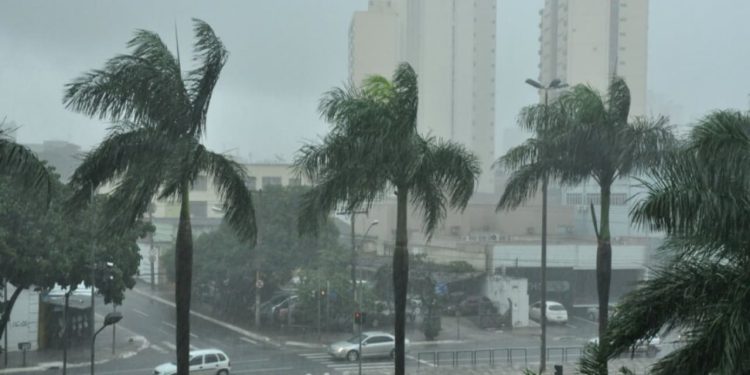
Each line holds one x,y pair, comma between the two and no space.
110,319
554,85
354,279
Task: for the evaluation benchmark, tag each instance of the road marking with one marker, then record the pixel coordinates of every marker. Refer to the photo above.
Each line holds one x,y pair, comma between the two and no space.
193,347
193,335
270,369
315,355
169,325
422,361
139,312
252,360
245,339
159,348
571,326
169,345
129,371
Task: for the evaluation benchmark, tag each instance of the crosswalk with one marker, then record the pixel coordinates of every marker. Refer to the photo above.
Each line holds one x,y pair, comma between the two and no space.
348,368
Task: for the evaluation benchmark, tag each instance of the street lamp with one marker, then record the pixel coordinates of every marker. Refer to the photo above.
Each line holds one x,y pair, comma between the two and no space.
354,259
110,319
553,85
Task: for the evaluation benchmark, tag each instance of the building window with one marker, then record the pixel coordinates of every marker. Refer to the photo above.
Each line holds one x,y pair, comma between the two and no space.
593,199
574,198
617,199
295,182
271,181
200,183
199,209
251,182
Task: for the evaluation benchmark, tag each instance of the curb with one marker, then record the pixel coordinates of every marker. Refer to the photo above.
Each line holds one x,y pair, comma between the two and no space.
244,332
437,342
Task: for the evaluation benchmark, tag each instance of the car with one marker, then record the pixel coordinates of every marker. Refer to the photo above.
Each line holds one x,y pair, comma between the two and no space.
374,344
205,361
476,305
592,313
649,346
556,312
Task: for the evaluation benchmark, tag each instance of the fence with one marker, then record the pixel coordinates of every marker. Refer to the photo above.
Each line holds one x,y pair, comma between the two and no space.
494,356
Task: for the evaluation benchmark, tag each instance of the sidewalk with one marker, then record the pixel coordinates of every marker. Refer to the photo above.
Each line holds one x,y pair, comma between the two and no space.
127,344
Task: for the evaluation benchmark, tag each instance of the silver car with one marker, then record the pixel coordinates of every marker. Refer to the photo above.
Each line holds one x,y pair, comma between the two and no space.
374,344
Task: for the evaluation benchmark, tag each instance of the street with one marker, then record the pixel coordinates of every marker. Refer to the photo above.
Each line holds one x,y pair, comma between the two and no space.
460,344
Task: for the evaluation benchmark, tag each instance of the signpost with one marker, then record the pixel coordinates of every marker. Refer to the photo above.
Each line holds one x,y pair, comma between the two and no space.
23,347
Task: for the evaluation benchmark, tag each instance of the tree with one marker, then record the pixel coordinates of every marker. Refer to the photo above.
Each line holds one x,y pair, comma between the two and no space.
155,150
599,141
374,149
22,165
41,247
700,199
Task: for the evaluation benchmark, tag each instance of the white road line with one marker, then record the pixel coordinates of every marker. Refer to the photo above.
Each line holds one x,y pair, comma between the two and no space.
252,360
159,348
245,339
169,345
193,347
422,361
139,312
193,335
169,325
271,369
315,355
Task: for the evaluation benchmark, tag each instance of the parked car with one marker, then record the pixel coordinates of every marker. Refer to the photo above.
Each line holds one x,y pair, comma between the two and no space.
477,305
206,361
268,308
649,346
556,312
592,313
374,344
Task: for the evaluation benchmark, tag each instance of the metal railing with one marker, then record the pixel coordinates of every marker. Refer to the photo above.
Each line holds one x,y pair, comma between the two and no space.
493,356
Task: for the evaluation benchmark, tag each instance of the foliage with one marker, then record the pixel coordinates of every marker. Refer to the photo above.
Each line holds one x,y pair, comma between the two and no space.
23,167
583,135
41,247
374,149
155,147
224,266
699,197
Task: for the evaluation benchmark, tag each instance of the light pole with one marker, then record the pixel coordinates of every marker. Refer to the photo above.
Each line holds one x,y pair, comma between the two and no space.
554,85
110,319
354,262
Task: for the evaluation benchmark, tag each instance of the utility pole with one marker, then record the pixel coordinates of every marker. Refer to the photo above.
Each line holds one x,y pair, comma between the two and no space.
258,281
152,252
93,275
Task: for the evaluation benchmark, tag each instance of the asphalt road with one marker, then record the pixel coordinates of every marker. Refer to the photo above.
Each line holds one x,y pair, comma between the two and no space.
155,321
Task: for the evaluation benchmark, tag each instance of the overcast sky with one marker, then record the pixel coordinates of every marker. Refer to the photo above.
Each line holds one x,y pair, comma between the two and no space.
285,54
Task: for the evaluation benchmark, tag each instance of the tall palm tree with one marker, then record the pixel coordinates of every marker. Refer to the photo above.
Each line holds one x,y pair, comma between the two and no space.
373,149
602,143
701,199
155,149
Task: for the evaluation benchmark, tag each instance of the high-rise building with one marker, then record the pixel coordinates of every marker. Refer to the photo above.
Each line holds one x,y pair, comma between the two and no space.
451,46
588,41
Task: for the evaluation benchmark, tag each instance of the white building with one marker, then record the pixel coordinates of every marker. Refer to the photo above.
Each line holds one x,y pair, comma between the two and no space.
23,325
451,45
587,41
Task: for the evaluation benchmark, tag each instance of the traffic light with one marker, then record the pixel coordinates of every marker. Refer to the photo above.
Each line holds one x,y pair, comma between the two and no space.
360,317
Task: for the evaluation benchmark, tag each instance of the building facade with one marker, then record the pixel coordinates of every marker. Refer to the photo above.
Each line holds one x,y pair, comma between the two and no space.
451,46
589,41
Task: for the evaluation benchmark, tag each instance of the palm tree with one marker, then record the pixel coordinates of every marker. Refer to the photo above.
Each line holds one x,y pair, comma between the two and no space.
701,199
155,149
601,143
373,149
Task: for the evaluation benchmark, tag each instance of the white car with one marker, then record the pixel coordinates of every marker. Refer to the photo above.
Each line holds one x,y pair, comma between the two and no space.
206,361
556,312
374,344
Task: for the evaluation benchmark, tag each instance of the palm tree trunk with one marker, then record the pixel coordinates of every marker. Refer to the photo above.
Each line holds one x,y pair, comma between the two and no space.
184,271
400,278
604,261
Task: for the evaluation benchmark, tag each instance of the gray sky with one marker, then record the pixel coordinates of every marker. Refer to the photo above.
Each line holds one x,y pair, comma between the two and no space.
285,54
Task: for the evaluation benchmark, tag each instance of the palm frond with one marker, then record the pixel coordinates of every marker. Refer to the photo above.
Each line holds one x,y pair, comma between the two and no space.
522,185
722,139
144,86
24,167
211,56
229,178
641,145
406,97
455,170
125,148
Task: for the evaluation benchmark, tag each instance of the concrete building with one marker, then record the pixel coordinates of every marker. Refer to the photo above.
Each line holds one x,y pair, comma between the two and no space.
588,41
62,155
451,45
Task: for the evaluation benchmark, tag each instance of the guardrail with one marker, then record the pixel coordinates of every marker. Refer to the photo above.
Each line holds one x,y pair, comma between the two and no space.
493,356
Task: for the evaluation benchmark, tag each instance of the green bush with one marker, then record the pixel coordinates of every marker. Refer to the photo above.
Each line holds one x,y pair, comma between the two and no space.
431,327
